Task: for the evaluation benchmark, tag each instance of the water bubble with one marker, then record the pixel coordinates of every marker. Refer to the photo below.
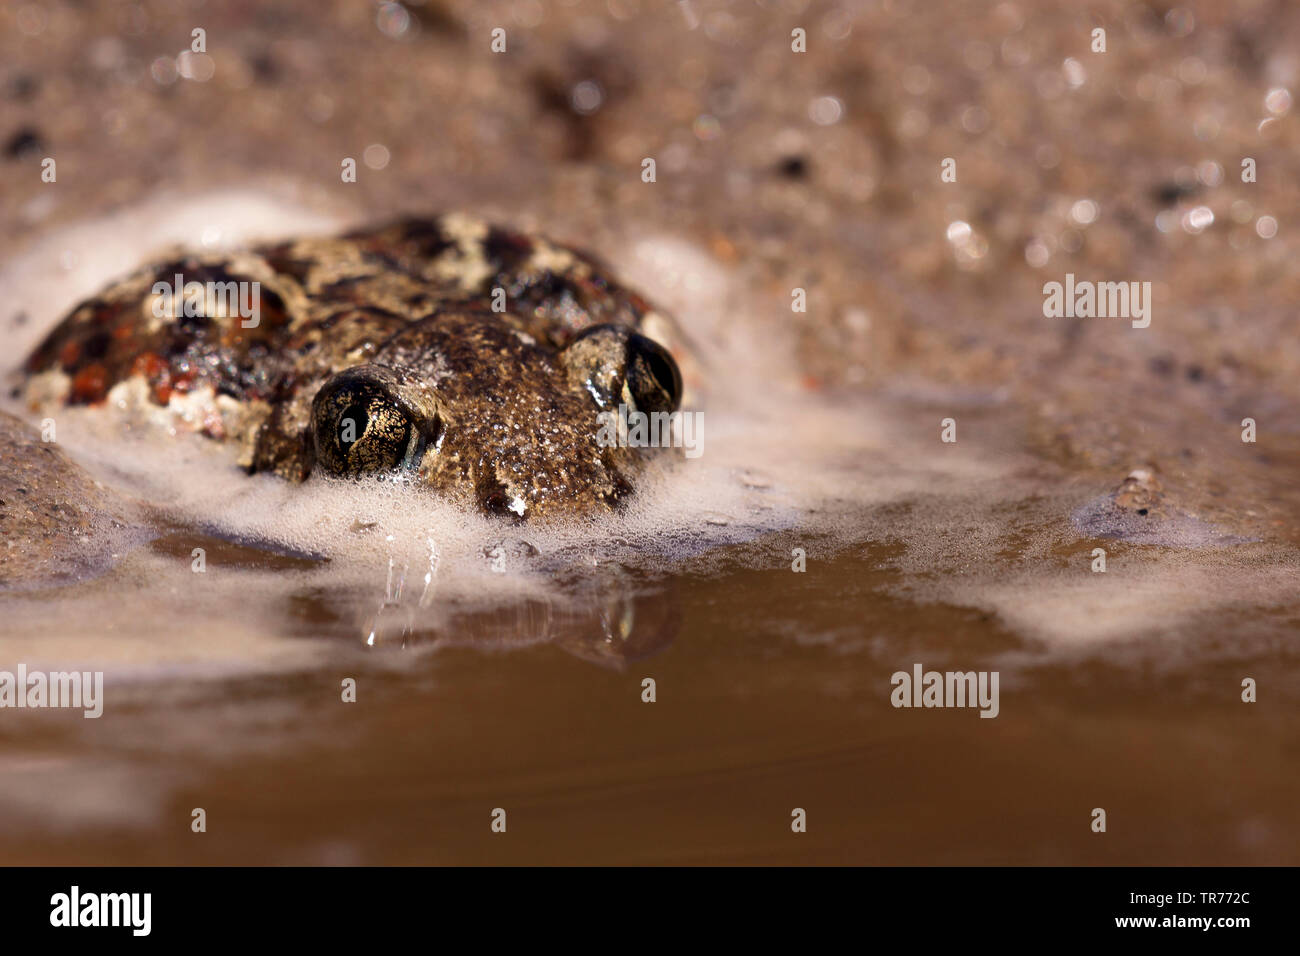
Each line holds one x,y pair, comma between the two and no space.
163,70
586,97
1075,74
1037,253
974,119
1009,16
1278,100
198,67
1015,51
1266,227
837,25
1209,172
1198,219
393,20
1084,212
825,110
376,156
706,127
1180,21
859,320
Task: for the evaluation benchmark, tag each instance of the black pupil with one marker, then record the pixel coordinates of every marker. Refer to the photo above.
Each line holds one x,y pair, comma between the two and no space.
352,425
662,373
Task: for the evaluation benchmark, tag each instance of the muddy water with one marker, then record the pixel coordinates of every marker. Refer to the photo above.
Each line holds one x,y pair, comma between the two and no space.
772,694
503,667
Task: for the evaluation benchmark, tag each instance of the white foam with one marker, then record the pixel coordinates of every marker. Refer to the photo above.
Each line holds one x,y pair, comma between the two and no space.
1077,609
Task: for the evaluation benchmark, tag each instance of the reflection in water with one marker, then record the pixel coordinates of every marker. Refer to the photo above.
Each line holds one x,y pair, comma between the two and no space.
624,621
609,615
395,619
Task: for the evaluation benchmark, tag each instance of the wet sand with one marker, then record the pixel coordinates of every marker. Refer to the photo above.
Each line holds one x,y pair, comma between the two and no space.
523,691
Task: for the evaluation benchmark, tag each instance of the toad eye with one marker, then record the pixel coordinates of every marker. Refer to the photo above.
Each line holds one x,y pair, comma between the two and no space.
614,364
359,427
652,375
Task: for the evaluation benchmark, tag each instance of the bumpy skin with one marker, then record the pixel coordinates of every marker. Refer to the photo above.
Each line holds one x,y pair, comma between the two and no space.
393,330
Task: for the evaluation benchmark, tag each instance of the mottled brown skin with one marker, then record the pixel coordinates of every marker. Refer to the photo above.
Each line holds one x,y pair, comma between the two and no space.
380,353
